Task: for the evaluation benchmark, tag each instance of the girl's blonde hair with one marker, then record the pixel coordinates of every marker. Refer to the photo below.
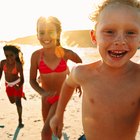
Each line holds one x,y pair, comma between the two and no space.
95,14
53,20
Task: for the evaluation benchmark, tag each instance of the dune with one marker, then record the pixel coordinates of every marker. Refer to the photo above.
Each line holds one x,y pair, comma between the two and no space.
78,38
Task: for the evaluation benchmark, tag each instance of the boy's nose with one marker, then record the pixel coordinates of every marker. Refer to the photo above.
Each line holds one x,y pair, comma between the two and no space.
120,40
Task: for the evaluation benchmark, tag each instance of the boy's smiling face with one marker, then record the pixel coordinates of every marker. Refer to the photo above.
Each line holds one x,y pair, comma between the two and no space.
118,34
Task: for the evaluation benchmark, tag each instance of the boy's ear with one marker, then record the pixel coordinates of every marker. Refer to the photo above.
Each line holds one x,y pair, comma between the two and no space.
93,38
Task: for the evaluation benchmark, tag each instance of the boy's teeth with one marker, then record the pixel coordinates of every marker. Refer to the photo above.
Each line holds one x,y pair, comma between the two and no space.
117,53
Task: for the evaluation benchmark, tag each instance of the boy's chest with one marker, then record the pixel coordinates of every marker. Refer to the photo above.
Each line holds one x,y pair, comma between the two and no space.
113,94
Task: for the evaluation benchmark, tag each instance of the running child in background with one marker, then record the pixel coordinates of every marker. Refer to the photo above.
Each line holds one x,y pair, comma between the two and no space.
14,77
51,62
111,91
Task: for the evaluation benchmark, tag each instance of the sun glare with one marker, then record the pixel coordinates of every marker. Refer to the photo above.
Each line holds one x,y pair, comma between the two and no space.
18,18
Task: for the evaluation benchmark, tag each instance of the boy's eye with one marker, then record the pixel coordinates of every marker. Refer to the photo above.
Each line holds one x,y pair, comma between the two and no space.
130,33
109,32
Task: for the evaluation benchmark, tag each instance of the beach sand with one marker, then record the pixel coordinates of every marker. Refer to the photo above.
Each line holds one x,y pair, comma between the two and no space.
32,106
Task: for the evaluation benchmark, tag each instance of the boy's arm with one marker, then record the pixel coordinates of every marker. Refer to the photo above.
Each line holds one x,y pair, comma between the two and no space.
67,90
56,122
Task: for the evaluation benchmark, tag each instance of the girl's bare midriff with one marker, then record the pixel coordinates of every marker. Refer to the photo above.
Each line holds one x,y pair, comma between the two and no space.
55,81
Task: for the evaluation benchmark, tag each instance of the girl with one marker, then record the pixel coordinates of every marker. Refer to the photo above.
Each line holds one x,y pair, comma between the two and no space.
14,78
51,61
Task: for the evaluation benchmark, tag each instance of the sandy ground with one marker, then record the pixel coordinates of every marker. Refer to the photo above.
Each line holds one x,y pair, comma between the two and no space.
32,118
32,113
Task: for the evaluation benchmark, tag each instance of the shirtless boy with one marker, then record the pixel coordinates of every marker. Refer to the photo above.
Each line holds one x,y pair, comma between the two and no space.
111,91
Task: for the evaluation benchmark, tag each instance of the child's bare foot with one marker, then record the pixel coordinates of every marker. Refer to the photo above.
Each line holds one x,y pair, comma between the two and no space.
20,124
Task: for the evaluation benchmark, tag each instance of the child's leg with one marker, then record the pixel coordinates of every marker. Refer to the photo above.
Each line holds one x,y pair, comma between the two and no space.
10,94
46,131
45,109
11,99
19,110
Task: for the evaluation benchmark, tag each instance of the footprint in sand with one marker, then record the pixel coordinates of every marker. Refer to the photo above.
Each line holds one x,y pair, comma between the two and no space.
9,135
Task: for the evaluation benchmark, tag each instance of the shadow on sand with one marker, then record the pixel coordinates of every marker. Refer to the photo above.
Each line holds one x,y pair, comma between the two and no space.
1,126
16,132
65,137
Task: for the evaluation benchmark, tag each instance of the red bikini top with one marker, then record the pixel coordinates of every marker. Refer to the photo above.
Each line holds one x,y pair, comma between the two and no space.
44,69
14,70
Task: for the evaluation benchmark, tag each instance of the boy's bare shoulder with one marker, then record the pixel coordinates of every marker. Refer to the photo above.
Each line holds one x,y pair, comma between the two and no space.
81,72
85,69
90,66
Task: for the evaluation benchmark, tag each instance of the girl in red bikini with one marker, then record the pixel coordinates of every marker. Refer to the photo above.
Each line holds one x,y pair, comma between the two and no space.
14,78
51,62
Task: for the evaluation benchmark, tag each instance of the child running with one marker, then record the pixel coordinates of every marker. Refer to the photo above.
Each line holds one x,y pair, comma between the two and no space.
14,77
111,91
51,62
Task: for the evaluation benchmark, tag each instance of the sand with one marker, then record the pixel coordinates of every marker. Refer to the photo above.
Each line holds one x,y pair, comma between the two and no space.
32,107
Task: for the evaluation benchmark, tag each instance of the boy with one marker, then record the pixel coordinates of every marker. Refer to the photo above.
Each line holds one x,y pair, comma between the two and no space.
111,91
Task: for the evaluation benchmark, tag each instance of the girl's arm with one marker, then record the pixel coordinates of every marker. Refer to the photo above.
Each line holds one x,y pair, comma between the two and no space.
33,74
1,69
70,55
20,69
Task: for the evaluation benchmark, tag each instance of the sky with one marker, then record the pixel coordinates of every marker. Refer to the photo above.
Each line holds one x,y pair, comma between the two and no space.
18,17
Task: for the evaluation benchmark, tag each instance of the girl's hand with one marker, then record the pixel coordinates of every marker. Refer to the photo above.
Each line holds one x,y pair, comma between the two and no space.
16,87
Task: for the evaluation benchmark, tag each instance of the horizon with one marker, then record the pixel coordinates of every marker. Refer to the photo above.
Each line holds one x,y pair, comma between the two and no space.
18,18
34,35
